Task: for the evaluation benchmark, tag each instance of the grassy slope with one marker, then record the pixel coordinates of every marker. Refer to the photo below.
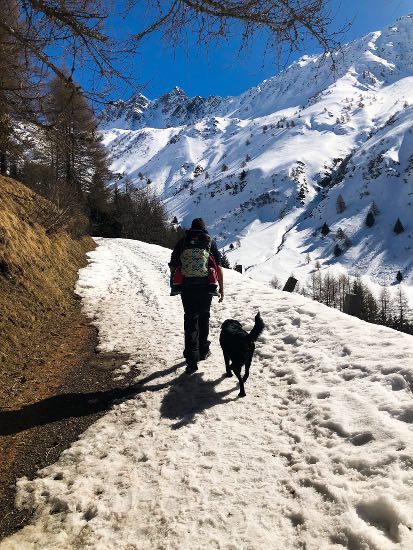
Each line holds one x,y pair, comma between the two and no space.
37,276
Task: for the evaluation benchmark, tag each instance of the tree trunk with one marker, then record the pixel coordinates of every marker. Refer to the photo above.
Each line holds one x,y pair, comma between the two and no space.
3,163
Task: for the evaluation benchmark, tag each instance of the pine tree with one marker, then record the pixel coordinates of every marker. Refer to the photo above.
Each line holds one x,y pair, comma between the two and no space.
340,204
75,146
73,170
399,276
374,208
198,170
100,209
16,90
369,306
341,234
302,193
402,308
325,230
97,193
398,227
316,285
337,251
6,134
385,305
329,290
224,261
370,219
343,288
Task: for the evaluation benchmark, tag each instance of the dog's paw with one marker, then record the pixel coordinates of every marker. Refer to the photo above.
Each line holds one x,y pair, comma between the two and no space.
242,394
228,374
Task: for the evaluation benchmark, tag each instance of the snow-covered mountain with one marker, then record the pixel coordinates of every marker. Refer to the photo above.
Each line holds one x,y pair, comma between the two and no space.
265,169
172,109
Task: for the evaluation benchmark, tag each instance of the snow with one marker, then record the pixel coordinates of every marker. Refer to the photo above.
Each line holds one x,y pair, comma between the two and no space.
317,455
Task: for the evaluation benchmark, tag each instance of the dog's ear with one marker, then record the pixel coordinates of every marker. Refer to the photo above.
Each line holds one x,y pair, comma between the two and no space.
258,316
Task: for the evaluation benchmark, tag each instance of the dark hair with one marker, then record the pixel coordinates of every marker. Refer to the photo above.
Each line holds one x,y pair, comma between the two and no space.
198,223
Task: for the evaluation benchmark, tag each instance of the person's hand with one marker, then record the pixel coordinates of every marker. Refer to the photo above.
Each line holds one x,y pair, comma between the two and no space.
221,295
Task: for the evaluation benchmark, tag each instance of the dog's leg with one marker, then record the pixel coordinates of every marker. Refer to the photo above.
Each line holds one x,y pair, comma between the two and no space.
247,365
227,365
237,371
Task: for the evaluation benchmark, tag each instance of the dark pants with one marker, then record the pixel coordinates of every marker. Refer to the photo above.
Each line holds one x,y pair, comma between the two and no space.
197,303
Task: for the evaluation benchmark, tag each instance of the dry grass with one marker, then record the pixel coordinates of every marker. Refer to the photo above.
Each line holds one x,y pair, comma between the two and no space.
37,274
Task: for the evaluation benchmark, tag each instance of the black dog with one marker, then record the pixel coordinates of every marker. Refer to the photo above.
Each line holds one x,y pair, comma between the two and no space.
238,347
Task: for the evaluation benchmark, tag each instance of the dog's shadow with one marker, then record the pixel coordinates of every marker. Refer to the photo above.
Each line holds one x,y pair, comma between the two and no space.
188,396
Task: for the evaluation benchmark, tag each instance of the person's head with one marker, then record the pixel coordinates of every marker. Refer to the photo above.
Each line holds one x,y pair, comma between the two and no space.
199,224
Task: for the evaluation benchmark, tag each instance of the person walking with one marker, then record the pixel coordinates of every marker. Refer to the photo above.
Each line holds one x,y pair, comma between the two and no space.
192,255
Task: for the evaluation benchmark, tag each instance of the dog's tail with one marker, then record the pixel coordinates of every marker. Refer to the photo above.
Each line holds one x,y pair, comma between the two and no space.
258,327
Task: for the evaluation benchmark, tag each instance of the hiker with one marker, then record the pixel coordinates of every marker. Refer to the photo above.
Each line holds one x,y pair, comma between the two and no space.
196,255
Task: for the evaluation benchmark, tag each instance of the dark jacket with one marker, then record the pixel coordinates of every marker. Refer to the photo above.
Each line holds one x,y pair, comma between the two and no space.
180,246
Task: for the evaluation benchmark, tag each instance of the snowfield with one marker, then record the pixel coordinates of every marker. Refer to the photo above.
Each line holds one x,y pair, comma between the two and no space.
319,454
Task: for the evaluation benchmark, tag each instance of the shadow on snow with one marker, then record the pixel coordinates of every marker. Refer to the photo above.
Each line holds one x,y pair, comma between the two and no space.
186,397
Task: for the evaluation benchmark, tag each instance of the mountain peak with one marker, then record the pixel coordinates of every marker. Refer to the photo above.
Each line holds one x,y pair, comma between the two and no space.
178,91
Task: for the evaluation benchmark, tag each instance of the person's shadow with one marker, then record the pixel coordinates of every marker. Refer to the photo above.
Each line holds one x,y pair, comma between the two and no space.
187,396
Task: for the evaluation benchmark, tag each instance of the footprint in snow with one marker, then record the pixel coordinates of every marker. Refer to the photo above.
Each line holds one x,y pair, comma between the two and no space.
361,438
323,395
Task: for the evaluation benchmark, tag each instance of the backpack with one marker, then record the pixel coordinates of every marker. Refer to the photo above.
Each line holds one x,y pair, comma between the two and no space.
198,266
195,255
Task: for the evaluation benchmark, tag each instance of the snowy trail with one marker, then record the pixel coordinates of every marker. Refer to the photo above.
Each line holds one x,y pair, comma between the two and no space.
318,455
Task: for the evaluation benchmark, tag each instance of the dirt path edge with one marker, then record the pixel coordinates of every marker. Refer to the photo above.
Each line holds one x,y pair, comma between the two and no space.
51,405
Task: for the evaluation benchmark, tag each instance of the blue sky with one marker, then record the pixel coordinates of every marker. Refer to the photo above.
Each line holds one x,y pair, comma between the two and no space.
222,71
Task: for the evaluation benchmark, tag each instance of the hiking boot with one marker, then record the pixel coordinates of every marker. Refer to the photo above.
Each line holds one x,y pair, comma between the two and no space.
204,356
191,367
